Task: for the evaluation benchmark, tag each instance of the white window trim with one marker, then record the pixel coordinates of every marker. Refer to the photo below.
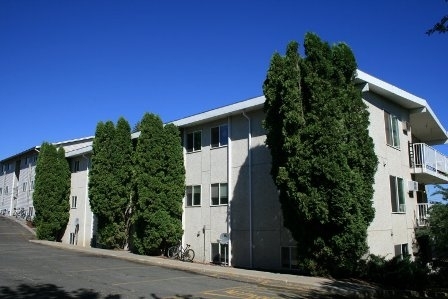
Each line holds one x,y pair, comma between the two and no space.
192,196
219,195
219,136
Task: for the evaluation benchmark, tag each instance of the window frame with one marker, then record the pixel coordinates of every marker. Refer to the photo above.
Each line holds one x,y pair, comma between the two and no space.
398,199
220,250
221,139
191,197
76,166
221,201
74,203
401,250
196,145
24,186
392,129
289,261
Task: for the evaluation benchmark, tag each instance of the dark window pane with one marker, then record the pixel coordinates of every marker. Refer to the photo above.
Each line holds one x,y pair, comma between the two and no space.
189,142
197,195
215,136
215,194
189,196
197,141
223,134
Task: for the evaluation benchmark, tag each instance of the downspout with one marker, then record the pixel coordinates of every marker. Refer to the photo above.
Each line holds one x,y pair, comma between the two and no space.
229,190
249,145
86,201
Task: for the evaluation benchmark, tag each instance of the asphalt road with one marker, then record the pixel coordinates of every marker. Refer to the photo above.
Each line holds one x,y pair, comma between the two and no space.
29,270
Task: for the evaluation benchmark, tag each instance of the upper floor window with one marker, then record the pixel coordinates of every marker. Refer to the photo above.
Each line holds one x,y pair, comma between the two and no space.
6,190
219,136
219,194
1,191
193,196
24,186
194,141
397,195
392,131
74,201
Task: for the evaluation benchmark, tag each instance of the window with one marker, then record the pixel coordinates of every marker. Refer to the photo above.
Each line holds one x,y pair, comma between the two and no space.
219,194
397,194
1,191
194,141
392,132
75,166
74,201
289,257
24,187
193,195
72,238
219,136
31,211
401,250
220,253
32,185
6,190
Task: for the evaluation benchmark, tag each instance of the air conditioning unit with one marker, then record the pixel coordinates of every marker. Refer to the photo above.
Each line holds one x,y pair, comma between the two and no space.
412,186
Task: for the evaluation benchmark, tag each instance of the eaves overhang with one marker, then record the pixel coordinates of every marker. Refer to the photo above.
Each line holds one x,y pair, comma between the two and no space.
222,112
424,123
30,150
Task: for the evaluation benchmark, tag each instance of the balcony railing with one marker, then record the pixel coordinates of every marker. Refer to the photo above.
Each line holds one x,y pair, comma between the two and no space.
425,159
422,214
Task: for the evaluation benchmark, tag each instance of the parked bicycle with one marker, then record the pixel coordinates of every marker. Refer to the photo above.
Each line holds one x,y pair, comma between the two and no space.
179,252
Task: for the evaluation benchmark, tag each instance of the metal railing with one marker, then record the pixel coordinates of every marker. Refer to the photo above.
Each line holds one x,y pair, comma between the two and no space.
425,157
422,214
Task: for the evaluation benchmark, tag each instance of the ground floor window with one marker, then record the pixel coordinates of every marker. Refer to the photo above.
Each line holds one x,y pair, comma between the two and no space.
220,253
72,238
401,250
289,257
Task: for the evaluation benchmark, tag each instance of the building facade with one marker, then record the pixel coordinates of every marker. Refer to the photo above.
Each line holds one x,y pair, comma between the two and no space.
232,214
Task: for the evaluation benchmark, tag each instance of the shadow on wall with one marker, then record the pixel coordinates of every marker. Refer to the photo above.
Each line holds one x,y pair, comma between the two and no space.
255,207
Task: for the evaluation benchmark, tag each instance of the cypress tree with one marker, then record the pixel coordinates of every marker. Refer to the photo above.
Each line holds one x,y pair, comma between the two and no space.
159,180
51,193
323,158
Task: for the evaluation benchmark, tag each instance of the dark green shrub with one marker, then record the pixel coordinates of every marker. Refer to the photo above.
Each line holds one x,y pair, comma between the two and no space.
397,273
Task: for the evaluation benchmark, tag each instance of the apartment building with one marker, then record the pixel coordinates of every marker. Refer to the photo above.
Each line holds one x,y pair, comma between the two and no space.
232,213
231,210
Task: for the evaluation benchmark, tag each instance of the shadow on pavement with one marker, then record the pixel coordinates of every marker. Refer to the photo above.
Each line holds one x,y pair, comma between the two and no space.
48,291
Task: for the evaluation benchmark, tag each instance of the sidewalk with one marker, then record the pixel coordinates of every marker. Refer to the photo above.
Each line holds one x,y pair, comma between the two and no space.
308,286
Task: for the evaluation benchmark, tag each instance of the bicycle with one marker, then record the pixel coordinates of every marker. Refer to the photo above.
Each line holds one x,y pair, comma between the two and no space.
185,254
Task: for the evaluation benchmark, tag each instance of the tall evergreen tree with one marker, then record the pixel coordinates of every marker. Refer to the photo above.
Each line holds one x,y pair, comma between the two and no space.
159,177
323,157
110,181
51,193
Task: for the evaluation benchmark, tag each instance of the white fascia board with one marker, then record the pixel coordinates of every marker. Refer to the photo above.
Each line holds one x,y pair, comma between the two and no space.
73,140
80,151
403,98
221,112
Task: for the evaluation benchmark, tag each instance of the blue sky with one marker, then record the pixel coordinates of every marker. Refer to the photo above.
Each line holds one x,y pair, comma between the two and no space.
66,65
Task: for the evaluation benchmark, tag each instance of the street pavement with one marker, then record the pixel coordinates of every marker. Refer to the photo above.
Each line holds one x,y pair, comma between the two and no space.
316,286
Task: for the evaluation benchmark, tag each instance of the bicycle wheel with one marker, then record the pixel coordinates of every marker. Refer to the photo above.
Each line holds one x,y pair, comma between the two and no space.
189,255
173,252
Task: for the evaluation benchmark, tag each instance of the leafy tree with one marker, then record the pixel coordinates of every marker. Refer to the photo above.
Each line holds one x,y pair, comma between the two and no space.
159,177
110,181
438,224
440,27
51,193
323,159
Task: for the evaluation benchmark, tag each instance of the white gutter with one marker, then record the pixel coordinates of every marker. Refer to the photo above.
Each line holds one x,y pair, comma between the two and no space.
249,145
229,191
86,201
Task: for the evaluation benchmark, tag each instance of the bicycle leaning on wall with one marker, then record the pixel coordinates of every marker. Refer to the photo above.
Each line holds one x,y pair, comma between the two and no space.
179,252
